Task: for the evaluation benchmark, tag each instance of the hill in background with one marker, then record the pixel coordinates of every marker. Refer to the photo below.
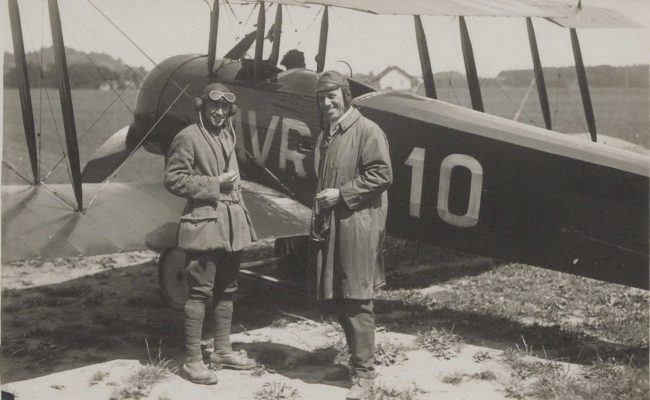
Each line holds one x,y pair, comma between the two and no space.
85,70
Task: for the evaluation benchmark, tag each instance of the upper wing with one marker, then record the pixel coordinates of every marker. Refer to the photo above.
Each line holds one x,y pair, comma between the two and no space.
36,223
492,8
563,12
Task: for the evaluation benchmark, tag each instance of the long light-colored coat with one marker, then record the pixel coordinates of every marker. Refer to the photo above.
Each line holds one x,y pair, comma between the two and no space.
195,160
349,263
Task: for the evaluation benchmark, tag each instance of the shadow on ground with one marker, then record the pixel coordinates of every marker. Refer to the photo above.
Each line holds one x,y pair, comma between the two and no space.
109,315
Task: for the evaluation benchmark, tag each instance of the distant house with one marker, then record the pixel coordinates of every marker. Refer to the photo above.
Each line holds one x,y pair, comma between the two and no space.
396,78
108,85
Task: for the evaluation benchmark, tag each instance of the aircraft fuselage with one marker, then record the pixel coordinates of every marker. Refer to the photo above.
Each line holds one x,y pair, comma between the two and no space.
462,178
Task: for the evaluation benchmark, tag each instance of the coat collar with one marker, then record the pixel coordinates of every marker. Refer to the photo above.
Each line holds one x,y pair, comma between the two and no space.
347,120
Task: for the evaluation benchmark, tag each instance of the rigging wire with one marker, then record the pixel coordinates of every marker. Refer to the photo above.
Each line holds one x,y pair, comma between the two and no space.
58,196
94,64
119,97
513,101
107,180
15,170
136,45
85,133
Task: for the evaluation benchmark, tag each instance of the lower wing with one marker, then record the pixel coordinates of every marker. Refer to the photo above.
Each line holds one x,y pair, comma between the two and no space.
38,222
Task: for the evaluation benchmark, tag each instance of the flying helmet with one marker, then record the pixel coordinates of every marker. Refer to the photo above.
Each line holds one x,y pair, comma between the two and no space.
216,92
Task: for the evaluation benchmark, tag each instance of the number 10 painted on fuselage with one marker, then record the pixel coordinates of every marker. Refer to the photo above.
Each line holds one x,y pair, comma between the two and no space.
416,162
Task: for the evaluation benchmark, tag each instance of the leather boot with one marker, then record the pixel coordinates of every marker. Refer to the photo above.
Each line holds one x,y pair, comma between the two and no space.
232,360
197,372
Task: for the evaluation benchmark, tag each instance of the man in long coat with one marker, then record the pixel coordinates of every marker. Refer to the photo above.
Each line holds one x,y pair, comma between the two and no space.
214,227
354,173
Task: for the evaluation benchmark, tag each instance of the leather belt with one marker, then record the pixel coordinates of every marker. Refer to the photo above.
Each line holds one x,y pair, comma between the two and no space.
232,197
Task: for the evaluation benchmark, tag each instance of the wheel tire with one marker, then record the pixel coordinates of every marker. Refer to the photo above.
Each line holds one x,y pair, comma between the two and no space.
294,253
172,278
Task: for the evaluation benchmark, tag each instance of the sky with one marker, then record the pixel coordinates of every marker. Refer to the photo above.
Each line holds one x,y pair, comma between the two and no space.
368,43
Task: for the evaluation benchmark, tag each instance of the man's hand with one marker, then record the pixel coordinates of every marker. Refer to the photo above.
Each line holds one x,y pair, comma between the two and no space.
328,198
227,181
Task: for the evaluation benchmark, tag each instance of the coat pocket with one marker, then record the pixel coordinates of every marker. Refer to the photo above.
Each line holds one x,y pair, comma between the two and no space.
201,213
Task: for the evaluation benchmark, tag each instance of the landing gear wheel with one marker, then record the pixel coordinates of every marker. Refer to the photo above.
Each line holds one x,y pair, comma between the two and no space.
294,262
171,277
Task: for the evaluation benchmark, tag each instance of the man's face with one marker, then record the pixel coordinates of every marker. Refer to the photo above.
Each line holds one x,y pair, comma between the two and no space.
216,112
332,104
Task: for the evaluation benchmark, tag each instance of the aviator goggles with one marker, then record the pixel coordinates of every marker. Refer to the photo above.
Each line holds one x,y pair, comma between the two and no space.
215,95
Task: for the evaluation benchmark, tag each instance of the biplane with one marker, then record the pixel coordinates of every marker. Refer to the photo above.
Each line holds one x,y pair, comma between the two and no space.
462,178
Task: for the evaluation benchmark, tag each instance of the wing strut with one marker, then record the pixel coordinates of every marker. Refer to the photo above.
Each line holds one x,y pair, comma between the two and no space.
23,87
277,34
66,101
470,66
322,41
259,43
539,74
214,31
425,61
584,86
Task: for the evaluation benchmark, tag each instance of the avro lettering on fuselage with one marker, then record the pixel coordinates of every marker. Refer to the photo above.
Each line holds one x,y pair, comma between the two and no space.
288,126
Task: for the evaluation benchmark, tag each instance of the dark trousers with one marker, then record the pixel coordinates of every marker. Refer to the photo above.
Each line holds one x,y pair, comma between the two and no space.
358,322
212,274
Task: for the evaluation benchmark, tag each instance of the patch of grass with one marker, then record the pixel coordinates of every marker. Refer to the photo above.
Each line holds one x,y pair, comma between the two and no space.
604,380
94,297
66,290
453,379
389,353
45,301
440,343
572,303
484,376
138,385
384,392
481,356
277,391
524,366
97,377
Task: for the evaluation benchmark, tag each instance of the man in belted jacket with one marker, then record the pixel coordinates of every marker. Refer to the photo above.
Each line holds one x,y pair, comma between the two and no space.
354,173
202,167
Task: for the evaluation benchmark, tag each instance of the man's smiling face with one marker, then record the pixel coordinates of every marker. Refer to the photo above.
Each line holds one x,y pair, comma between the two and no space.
332,104
216,112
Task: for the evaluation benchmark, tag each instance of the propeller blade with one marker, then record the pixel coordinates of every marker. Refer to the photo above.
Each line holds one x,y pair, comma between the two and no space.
109,156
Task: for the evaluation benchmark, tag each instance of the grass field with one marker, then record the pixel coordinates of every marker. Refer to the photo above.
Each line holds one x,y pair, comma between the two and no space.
622,113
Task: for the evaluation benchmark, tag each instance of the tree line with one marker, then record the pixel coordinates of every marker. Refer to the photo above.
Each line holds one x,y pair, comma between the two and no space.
82,76
598,76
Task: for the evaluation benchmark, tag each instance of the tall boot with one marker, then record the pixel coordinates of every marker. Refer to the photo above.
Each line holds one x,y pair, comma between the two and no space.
194,368
223,356
222,324
194,315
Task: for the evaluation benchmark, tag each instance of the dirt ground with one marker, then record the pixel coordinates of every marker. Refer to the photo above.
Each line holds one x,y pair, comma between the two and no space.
83,328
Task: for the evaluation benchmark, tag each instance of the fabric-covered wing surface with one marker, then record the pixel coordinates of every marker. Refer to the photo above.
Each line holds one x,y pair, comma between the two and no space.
124,217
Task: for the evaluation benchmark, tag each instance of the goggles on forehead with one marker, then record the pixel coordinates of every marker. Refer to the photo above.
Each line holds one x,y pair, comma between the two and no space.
215,95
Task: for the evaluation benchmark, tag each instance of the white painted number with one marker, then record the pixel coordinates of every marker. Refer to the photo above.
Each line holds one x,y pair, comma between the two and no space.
470,218
416,162
474,205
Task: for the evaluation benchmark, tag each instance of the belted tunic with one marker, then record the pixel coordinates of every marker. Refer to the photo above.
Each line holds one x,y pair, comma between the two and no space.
212,219
355,160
